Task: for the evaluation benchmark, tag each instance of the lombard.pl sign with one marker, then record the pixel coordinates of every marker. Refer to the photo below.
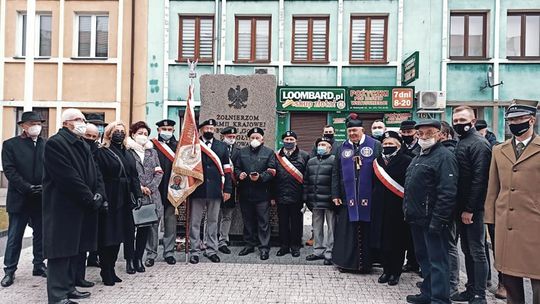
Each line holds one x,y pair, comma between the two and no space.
311,99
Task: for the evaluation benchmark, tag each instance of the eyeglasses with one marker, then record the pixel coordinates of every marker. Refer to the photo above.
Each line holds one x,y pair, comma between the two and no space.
427,134
79,119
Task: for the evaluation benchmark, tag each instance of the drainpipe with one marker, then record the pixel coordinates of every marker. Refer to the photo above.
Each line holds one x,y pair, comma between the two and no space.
132,62
216,35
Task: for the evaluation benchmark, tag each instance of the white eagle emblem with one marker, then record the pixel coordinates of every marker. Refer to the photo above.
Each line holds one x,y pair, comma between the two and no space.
347,153
366,151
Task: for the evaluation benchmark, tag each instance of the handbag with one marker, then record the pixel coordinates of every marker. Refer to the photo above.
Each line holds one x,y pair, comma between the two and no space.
145,216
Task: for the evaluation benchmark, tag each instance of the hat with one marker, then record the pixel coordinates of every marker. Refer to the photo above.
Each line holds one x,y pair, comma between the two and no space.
428,123
138,125
353,120
95,118
255,130
208,122
229,130
30,116
325,139
480,124
165,123
289,134
520,107
407,125
392,134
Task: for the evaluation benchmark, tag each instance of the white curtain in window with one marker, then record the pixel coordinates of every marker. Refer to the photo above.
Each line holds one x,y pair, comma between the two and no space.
376,40
532,36
188,38
45,34
457,36
244,39
102,36
300,39
262,40
206,39
85,33
358,39
319,37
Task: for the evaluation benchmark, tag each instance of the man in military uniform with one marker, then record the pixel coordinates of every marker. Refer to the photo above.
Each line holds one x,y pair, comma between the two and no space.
165,144
227,207
255,168
215,188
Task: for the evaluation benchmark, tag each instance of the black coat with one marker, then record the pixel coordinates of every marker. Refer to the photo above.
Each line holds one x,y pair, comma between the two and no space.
212,186
261,160
166,165
411,151
234,151
318,182
449,144
430,188
473,153
491,138
285,189
387,208
23,167
71,178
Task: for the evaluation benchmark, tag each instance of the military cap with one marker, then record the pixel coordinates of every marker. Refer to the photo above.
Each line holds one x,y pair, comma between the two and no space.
520,107
255,130
289,134
392,134
165,123
208,122
229,130
325,139
353,120
407,125
480,124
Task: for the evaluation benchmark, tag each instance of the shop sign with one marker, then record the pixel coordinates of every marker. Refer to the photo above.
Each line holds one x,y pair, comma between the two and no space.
410,68
395,119
381,99
319,99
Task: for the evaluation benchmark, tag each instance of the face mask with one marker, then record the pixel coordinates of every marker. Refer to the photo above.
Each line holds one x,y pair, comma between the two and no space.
166,135
389,150
462,129
255,143
141,139
519,129
91,142
79,128
229,141
329,136
288,145
377,132
208,135
408,139
34,130
426,143
118,137
321,151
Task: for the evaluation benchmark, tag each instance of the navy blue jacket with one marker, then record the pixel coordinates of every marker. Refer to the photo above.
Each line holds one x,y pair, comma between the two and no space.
211,187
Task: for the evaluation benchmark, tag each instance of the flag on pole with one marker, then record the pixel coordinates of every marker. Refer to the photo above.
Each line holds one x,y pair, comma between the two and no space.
187,171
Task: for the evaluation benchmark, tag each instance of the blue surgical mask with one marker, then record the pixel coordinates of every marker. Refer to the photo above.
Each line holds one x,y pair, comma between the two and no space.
288,145
321,151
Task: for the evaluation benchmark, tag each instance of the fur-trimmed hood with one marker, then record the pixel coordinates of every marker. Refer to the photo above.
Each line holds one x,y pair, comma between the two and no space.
131,144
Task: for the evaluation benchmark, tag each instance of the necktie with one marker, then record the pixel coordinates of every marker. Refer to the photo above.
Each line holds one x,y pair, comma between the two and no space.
519,149
207,143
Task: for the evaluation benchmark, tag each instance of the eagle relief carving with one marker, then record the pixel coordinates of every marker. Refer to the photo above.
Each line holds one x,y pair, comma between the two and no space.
238,98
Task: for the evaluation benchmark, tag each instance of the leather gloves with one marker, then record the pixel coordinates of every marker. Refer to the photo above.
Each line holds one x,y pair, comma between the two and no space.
97,201
36,190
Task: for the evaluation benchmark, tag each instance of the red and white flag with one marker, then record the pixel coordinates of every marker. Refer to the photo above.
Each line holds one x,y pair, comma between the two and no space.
187,171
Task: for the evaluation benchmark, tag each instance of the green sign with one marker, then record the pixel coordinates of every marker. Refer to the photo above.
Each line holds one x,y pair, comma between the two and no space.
410,68
381,99
320,99
337,120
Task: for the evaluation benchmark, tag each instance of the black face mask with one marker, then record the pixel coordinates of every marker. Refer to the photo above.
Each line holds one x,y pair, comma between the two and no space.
208,135
519,129
91,142
389,150
329,136
408,139
118,137
462,129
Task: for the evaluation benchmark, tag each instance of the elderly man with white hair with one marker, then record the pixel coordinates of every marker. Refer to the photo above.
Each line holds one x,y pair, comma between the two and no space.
72,196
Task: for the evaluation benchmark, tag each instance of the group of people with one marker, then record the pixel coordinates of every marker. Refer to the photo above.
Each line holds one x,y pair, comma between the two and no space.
375,199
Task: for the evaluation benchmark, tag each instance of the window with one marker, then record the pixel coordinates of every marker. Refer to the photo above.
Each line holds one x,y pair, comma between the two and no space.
468,35
44,112
523,36
92,36
368,37
310,39
252,39
196,40
42,34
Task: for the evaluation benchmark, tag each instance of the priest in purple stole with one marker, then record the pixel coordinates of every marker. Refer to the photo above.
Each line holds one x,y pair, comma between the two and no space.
352,183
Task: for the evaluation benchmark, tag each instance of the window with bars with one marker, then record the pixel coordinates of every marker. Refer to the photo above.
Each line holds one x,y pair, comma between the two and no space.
196,38
42,34
368,39
523,35
310,39
92,36
253,39
468,35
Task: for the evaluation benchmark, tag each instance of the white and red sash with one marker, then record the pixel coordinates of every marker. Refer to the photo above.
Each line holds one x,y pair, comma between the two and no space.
164,148
215,159
290,168
387,180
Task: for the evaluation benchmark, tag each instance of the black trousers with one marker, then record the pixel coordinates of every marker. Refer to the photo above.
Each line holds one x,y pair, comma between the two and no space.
411,255
515,294
61,275
80,272
140,241
256,217
107,259
290,225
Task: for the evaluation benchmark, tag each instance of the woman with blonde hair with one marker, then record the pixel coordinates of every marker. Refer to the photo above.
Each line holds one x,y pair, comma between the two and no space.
123,191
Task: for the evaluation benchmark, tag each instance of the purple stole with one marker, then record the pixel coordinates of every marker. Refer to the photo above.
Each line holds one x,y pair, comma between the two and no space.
358,183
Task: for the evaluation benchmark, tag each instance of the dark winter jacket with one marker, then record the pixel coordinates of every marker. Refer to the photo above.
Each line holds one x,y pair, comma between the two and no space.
411,151
285,188
212,186
430,188
473,154
449,144
318,182
261,160
491,138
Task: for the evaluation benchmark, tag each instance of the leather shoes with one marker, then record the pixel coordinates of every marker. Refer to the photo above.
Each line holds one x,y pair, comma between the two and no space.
149,262
92,263
501,292
224,249
40,271
78,294
295,253
393,280
8,280
410,268
246,251
283,251
65,301
84,284
327,262
194,259
170,260
384,278
129,267
418,299
264,255
314,257
139,267
214,258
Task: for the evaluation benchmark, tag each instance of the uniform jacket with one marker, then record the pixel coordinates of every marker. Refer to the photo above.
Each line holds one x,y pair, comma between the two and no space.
234,151
71,178
412,151
23,167
318,182
258,160
286,189
212,185
513,205
166,165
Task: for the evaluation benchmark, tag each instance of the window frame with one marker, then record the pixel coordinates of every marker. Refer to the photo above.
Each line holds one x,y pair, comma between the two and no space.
466,16
253,57
523,32
93,35
367,47
37,30
309,50
45,114
197,37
